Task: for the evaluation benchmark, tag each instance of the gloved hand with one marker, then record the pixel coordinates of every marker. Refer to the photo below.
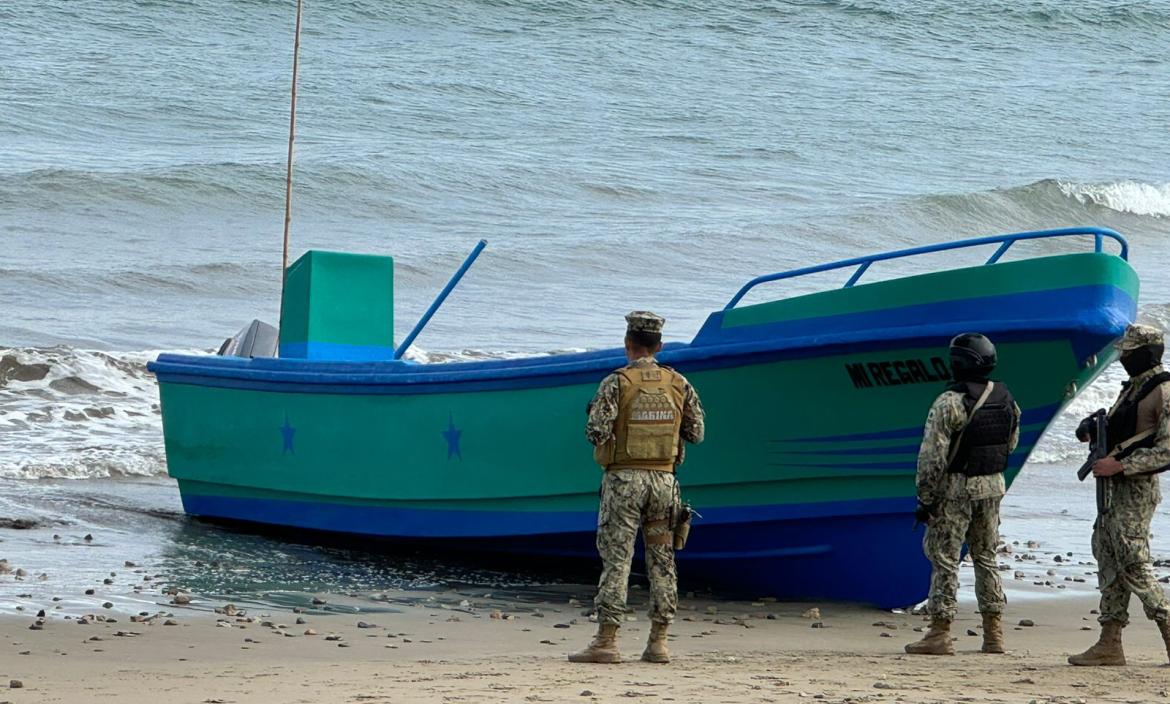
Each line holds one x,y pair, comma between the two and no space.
923,513
1087,429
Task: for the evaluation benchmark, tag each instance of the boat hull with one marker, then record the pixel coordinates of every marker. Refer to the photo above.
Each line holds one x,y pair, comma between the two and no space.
805,483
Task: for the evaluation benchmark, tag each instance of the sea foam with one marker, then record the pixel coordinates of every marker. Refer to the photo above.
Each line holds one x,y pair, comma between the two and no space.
1132,197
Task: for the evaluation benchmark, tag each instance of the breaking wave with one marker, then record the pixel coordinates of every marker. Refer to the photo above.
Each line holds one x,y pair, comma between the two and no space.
69,413
1049,200
1123,196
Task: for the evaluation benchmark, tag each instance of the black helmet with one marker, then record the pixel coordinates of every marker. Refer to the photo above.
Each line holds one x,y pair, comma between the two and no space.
972,356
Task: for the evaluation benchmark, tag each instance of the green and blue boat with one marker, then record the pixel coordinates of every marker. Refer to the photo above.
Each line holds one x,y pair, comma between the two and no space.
815,405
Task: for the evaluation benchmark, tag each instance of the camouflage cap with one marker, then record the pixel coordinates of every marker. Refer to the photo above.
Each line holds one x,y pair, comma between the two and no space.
1138,335
644,321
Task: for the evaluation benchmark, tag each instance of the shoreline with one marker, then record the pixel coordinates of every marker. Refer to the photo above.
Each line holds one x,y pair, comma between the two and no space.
445,650
433,642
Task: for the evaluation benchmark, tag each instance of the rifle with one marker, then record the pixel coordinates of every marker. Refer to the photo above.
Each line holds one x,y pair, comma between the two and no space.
1096,427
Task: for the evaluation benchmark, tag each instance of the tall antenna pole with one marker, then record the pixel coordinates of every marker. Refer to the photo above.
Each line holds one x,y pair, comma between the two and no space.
292,128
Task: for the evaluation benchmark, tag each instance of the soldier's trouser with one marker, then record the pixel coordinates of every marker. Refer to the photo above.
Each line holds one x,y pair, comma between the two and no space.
630,498
1121,546
958,521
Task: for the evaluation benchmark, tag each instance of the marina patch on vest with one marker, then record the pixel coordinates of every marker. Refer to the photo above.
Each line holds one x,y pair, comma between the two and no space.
898,372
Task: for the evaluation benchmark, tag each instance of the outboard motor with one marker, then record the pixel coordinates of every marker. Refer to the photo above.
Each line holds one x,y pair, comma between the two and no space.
258,339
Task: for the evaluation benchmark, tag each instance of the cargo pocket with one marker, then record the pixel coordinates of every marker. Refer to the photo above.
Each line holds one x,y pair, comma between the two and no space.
1133,550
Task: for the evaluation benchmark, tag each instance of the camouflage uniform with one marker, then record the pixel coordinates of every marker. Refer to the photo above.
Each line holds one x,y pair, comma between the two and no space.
629,498
966,510
632,497
1121,535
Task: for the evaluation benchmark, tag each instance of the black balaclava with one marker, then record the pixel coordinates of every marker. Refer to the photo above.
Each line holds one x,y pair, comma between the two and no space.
1142,359
964,374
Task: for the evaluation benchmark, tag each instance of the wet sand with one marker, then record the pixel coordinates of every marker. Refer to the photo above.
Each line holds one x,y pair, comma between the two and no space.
450,648
436,639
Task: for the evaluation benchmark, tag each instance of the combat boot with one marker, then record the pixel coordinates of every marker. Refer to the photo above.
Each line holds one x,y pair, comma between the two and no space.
656,645
1164,627
603,649
937,640
1106,651
992,633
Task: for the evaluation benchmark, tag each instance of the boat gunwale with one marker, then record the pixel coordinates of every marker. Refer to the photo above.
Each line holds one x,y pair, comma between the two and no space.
311,373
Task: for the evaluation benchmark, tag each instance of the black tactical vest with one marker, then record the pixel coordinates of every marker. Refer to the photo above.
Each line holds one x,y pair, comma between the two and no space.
1124,418
986,443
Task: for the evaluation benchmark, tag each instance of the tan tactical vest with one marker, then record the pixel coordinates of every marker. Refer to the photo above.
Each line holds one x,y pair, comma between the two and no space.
646,432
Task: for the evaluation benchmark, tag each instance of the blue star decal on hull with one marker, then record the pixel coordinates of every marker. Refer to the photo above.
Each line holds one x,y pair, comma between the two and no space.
451,435
287,432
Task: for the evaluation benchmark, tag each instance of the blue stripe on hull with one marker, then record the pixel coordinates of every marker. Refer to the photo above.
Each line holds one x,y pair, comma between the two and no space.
861,551
1042,315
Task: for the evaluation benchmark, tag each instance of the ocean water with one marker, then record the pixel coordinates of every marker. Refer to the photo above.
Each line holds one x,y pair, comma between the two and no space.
616,155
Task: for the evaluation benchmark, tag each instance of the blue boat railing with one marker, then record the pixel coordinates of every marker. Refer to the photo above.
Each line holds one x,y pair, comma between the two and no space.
1005,242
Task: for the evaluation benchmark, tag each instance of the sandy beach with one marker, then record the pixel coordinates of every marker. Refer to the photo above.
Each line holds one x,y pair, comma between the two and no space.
450,648
454,633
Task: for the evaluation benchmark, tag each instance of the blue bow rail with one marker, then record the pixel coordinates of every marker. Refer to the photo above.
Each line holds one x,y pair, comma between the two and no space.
1005,242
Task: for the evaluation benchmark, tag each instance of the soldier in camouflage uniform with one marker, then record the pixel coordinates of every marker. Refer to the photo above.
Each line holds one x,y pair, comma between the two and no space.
1139,448
637,423
971,429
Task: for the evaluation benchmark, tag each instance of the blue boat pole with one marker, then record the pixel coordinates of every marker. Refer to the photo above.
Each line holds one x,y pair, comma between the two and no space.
422,323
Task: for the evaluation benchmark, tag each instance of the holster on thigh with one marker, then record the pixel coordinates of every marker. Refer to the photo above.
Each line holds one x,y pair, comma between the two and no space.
657,532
